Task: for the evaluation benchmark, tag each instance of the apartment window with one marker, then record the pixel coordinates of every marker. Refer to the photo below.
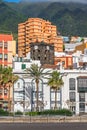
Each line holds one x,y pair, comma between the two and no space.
82,107
1,44
82,97
5,45
72,96
1,56
72,84
63,62
5,91
5,56
1,91
82,84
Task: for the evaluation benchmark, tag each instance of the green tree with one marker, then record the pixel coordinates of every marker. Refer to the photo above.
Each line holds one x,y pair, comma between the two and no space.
1,75
55,82
7,78
37,73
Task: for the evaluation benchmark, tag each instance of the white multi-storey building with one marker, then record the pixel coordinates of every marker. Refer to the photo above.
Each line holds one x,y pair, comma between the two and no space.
73,94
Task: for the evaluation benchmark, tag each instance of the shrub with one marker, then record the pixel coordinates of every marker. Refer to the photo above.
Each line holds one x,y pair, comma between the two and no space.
32,113
18,113
62,112
3,112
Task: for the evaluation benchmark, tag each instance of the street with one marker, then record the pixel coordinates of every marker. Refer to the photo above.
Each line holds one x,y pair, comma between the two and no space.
43,126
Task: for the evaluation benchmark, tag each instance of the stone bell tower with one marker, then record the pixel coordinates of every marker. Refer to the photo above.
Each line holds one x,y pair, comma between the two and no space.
43,52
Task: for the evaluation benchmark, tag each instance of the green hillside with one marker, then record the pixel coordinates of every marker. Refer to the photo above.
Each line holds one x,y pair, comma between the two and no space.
70,18
9,19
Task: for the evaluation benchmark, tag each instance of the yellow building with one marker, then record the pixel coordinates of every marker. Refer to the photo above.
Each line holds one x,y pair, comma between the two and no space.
7,49
81,47
37,29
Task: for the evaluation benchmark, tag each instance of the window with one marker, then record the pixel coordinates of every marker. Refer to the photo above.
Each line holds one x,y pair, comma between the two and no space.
72,96
18,85
82,107
1,44
5,91
23,66
63,62
72,84
1,91
52,98
5,45
5,56
82,97
82,84
1,56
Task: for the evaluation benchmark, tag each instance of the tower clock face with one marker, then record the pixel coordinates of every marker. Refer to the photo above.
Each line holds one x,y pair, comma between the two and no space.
47,47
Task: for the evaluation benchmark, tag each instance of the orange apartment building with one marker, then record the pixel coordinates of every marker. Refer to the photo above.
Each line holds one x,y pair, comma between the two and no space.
37,30
7,49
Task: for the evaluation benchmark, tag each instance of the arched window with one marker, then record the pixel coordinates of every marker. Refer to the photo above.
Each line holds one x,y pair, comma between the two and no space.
72,84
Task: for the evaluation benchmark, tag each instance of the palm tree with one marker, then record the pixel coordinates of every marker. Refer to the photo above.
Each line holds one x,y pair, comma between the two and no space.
8,79
55,82
37,73
1,75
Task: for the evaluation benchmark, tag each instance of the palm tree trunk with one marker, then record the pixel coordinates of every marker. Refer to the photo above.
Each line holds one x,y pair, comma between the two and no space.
55,107
37,108
9,107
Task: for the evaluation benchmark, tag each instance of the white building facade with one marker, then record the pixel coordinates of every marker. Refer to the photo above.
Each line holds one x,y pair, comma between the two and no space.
73,94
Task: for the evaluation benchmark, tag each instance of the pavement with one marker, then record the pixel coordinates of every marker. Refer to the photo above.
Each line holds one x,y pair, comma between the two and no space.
43,119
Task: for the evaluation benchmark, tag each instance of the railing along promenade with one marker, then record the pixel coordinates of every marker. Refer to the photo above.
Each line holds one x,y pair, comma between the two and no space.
42,119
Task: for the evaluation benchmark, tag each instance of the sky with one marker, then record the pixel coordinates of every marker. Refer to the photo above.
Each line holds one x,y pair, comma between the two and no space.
12,0
81,1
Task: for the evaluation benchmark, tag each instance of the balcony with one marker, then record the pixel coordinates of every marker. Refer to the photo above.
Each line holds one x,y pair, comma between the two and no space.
82,89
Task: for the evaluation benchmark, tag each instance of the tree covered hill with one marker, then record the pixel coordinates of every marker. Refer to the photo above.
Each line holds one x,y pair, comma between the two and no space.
70,18
9,19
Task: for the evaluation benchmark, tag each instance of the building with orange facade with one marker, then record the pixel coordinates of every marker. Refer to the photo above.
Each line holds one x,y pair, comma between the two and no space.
65,61
37,30
7,49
